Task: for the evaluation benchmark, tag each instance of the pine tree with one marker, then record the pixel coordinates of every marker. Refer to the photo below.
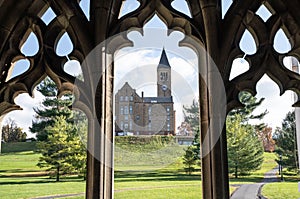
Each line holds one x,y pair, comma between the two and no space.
196,147
285,138
247,136
245,150
189,160
52,106
55,150
63,152
246,113
192,117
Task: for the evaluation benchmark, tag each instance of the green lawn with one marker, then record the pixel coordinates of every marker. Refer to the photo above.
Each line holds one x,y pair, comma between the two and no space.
281,190
268,164
39,186
162,179
19,163
18,171
257,176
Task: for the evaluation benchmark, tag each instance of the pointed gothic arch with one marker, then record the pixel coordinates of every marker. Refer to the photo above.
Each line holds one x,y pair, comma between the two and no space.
220,37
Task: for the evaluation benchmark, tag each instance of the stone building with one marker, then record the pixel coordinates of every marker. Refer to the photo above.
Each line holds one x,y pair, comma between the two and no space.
215,26
140,115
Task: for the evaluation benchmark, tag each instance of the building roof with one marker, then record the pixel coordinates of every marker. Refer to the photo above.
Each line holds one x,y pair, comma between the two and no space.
158,99
164,62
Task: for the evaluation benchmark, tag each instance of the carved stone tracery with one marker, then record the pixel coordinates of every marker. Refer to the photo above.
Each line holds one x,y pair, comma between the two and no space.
220,37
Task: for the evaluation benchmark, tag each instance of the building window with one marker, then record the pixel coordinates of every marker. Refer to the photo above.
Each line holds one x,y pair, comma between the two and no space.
137,117
168,117
130,125
163,76
149,125
126,98
126,127
126,117
149,112
168,110
168,126
126,110
121,98
130,109
121,125
131,98
121,110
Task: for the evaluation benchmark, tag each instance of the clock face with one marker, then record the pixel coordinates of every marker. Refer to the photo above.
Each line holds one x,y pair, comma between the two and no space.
164,87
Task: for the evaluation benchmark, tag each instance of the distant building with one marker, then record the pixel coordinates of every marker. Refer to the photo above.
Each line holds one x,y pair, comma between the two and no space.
140,115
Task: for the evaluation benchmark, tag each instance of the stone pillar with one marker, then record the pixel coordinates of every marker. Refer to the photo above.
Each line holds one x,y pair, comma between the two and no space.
295,68
100,136
213,132
1,124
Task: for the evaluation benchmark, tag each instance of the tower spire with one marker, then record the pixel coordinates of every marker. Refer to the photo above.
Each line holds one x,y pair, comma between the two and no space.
164,62
164,76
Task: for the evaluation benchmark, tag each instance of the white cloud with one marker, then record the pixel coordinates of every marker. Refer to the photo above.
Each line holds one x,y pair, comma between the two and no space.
23,118
277,105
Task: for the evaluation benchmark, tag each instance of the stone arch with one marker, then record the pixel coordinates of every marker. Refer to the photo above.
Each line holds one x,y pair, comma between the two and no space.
220,37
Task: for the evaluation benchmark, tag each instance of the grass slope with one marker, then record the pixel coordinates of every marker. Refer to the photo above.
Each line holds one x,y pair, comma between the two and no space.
281,190
151,172
17,147
18,171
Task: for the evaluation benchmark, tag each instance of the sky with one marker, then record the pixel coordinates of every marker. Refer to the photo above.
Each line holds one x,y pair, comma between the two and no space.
137,65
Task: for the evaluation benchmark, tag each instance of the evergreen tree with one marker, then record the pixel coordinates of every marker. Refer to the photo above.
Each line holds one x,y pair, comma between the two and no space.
243,116
189,160
55,151
191,117
78,143
246,113
63,152
245,150
285,138
196,147
52,106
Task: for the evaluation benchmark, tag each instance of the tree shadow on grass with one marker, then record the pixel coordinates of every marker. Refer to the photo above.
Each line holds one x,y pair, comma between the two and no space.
255,179
34,182
26,182
17,171
128,176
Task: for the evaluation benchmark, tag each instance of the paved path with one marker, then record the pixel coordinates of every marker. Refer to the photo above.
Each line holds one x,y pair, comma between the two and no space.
252,191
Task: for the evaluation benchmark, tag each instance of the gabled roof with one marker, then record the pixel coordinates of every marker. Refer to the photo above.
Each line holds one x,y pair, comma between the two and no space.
164,62
158,99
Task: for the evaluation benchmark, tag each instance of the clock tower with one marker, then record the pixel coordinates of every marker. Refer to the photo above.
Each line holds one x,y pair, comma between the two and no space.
163,76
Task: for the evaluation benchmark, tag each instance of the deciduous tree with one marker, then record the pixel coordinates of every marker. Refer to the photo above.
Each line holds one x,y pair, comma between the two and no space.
265,135
12,133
